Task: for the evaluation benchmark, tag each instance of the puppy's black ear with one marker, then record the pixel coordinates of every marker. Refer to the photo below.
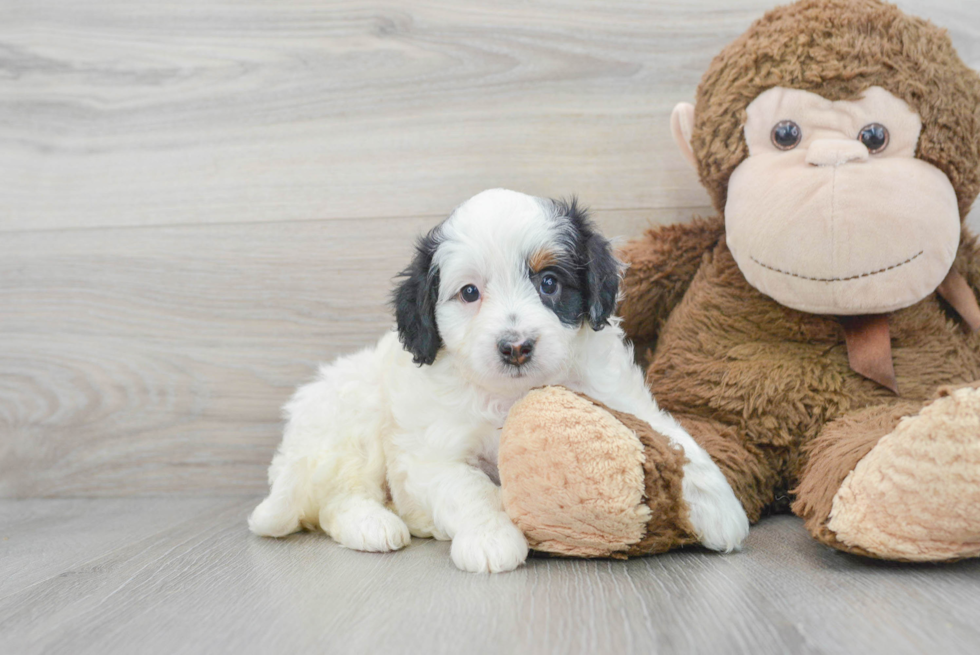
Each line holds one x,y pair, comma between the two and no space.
602,280
415,303
599,268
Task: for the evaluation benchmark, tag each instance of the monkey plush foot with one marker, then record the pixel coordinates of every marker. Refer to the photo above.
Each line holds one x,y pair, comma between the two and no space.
580,479
916,495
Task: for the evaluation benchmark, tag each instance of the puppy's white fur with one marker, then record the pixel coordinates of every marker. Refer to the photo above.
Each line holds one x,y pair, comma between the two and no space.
378,448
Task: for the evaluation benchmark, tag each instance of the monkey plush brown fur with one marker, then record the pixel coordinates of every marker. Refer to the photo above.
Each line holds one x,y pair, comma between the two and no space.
754,326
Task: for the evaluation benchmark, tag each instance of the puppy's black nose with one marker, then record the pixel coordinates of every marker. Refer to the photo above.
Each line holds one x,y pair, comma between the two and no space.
516,353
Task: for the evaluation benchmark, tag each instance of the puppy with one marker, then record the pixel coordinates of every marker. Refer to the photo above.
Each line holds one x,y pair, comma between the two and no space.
509,293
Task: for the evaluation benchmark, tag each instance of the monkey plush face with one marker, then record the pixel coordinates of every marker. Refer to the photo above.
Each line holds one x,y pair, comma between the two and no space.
841,141
831,213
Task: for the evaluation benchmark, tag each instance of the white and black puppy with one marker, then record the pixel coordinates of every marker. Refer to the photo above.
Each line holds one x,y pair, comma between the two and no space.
509,293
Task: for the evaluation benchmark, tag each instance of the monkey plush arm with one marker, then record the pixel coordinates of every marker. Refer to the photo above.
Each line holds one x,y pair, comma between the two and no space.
661,265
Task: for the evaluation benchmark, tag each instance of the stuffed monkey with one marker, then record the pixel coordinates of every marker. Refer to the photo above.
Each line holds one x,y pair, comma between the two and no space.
818,339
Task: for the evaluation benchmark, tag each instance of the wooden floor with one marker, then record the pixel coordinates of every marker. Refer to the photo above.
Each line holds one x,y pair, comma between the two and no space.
201,199
175,576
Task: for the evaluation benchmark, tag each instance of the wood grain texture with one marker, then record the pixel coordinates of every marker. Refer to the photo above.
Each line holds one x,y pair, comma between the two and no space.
204,584
201,200
179,111
145,361
41,541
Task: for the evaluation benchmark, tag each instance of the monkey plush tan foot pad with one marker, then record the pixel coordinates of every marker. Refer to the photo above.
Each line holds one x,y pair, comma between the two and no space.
583,480
916,495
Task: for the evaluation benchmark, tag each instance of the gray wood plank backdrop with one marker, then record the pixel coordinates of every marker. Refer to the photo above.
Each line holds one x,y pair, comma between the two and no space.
200,200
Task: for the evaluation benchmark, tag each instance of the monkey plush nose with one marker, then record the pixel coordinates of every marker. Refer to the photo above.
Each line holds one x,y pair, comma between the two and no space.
515,353
835,152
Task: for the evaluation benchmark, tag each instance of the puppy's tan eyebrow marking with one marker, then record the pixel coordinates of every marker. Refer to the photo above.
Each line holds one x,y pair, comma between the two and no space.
541,259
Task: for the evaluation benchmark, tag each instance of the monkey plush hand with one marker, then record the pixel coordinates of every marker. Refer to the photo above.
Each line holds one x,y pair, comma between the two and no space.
581,479
819,339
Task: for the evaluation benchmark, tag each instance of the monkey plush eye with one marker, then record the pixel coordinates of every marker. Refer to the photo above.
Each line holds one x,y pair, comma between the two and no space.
549,285
874,137
786,135
469,293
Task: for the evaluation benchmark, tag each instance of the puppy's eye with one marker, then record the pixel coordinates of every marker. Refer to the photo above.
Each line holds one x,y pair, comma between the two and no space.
786,135
469,293
549,285
875,137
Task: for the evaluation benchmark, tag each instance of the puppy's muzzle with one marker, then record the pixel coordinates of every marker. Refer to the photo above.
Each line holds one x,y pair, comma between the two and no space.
515,352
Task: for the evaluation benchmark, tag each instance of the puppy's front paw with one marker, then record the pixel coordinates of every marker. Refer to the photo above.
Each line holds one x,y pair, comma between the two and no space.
494,548
718,518
370,528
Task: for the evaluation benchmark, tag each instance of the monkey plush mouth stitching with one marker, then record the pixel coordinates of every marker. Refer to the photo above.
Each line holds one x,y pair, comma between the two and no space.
837,279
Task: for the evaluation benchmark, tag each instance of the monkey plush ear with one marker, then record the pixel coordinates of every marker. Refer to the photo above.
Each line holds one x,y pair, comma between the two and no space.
415,303
682,127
